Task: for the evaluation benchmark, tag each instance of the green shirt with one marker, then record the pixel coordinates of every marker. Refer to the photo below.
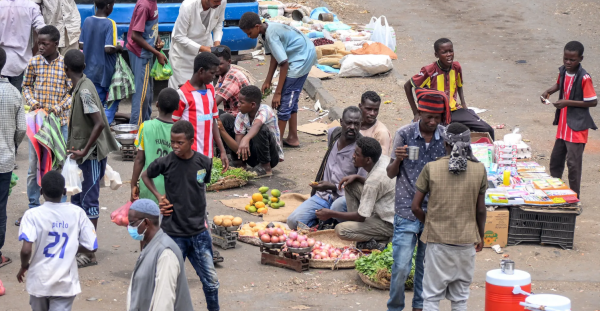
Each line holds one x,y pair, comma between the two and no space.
154,138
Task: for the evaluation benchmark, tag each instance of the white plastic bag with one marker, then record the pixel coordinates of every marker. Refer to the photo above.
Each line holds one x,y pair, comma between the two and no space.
112,178
73,176
382,33
364,65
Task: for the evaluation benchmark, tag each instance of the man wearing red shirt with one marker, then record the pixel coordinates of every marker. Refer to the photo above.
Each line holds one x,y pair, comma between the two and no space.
572,116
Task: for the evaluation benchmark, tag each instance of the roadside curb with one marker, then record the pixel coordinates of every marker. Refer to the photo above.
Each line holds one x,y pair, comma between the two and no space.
315,90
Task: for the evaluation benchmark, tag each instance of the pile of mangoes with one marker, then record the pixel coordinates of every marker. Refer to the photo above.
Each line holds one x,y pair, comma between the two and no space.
260,201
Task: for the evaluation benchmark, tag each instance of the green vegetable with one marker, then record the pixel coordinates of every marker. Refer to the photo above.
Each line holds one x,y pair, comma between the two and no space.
13,182
378,266
217,169
267,93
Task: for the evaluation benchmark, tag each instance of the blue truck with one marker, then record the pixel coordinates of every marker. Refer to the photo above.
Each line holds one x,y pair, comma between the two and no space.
168,10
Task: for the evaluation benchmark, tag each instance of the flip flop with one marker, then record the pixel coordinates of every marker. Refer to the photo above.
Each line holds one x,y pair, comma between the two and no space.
18,222
286,144
84,261
260,172
4,263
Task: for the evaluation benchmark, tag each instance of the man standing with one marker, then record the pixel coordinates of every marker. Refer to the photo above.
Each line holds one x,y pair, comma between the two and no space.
424,134
369,125
12,118
17,17
63,15
368,215
158,281
336,165
199,26
455,221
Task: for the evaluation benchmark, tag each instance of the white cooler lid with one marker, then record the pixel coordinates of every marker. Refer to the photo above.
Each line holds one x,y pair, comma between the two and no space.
496,277
548,300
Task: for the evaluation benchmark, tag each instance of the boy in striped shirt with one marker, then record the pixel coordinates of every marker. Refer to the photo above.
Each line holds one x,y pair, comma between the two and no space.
197,105
572,115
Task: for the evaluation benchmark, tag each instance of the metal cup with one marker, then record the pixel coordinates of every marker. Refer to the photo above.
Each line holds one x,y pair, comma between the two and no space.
507,266
413,153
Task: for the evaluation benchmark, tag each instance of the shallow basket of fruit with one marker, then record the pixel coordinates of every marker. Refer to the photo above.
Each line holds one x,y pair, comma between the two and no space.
331,252
251,232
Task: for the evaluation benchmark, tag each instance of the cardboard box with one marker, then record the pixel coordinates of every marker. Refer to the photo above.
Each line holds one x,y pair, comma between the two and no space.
481,137
496,228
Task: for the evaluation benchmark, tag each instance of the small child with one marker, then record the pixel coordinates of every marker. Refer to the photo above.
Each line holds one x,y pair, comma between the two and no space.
90,141
197,105
256,138
446,75
186,173
572,116
59,231
295,55
143,43
154,141
99,44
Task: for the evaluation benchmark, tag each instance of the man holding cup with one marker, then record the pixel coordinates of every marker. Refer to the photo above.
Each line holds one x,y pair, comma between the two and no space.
415,145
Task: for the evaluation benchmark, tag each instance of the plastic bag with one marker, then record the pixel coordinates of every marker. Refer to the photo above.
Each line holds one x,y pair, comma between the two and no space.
121,215
364,65
13,182
382,32
160,72
122,83
73,176
112,178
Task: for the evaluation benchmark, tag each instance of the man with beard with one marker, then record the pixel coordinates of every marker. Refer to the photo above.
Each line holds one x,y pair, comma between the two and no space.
336,165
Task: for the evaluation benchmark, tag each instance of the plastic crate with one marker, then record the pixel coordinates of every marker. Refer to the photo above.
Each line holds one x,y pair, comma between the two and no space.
547,228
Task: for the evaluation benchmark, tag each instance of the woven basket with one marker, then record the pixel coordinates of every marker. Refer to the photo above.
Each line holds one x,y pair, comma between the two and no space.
332,264
330,237
249,239
368,281
227,183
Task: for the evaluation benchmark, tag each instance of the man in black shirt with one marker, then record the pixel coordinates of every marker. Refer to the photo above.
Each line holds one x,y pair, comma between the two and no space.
184,206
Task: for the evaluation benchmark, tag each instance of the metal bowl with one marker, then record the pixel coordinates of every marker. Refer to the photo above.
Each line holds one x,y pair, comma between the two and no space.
126,139
125,128
273,245
301,250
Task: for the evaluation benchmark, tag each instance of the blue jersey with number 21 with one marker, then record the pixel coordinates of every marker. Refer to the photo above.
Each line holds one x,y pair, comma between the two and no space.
56,231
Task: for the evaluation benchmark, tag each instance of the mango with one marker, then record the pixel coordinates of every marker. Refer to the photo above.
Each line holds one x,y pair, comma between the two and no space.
263,189
274,199
276,193
265,196
259,204
275,205
248,207
281,204
257,197
266,201
263,210
252,209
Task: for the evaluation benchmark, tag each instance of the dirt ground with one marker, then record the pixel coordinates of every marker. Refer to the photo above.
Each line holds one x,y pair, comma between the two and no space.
489,38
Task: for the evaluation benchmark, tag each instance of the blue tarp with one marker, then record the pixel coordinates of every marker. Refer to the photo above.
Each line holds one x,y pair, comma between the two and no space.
315,13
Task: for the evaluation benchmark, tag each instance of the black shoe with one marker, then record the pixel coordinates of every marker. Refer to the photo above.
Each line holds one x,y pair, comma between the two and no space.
217,257
371,244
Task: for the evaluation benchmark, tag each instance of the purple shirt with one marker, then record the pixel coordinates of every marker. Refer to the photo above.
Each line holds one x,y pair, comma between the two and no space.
339,165
16,19
145,20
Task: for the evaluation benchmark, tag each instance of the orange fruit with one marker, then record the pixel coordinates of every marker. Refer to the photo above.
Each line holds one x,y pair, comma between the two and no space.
257,197
259,204
274,199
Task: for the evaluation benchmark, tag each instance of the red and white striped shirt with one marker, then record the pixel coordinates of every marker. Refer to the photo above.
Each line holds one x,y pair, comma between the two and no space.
564,132
198,107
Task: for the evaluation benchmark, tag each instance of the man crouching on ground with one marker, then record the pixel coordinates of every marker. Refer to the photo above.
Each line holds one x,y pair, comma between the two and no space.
368,213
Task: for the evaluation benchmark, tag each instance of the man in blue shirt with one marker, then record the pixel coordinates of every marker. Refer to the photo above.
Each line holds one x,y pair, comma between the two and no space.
295,55
433,109
98,41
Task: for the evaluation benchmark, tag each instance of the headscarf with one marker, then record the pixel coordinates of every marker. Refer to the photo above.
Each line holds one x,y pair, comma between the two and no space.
145,206
434,101
461,150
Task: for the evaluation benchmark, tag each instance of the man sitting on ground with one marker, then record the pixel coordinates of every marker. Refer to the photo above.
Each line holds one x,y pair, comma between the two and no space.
256,134
369,125
231,80
336,165
368,215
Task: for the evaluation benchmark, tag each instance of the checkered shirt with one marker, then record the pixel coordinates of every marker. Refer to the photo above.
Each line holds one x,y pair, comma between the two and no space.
451,210
229,87
47,84
12,124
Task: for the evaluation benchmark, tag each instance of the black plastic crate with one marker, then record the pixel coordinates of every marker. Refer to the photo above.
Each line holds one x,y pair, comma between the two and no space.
556,229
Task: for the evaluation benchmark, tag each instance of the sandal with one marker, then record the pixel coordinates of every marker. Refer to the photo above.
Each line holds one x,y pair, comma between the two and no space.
286,144
84,261
4,261
217,257
18,222
260,172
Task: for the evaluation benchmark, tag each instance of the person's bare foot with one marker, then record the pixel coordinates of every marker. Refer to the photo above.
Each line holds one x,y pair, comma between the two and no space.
268,168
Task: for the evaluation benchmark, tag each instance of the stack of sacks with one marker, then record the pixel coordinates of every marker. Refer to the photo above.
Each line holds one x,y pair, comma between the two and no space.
331,54
273,8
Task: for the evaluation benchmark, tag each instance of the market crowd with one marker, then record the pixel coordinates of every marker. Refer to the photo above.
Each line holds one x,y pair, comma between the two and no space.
421,188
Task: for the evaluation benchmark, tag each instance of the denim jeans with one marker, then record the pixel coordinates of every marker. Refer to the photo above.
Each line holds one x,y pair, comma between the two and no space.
33,189
141,101
305,213
109,111
406,235
4,187
198,249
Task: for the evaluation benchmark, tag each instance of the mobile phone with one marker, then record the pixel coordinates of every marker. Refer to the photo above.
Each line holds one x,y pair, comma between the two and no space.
545,100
